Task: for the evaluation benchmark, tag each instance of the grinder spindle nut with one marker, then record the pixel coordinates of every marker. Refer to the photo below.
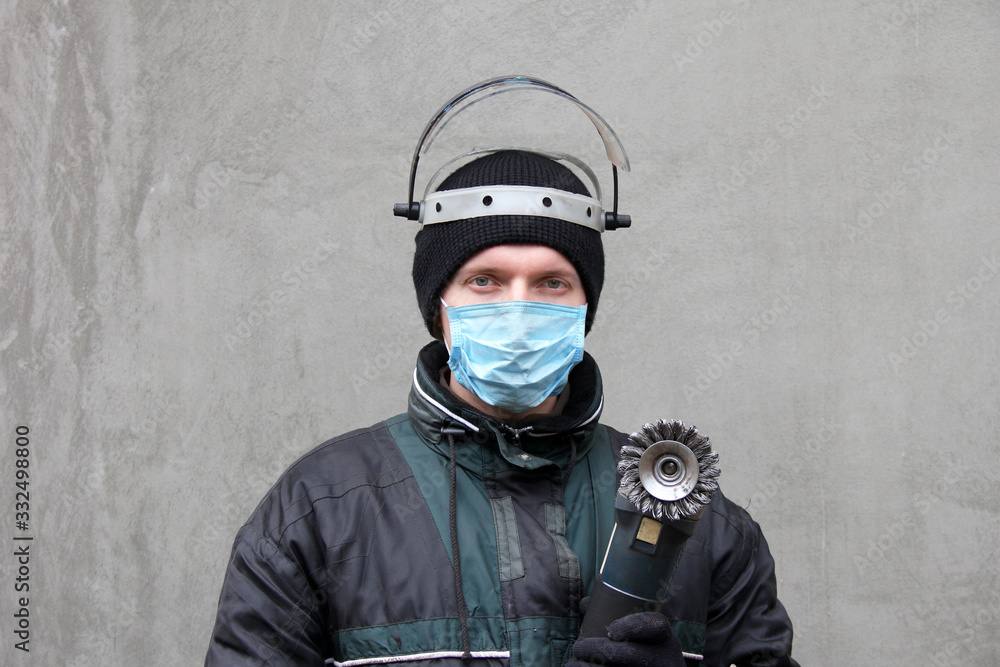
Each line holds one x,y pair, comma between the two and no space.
668,470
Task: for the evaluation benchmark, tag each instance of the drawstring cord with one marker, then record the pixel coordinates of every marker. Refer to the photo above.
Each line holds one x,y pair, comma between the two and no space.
463,611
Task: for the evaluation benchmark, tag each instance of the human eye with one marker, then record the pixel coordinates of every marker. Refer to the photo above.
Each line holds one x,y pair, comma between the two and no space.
555,283
480,281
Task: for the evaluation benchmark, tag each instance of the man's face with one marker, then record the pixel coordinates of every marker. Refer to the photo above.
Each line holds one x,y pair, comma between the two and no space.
513,273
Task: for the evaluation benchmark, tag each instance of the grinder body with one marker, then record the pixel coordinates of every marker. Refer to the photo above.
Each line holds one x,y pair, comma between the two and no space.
638,567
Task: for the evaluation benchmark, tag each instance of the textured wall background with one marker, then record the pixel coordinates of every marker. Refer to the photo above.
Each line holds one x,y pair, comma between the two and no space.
201,280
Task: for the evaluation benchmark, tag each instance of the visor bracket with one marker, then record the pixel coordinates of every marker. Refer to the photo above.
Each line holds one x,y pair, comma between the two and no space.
614,221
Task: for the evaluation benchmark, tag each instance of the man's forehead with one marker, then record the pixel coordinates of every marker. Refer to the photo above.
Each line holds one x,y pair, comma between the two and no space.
519,255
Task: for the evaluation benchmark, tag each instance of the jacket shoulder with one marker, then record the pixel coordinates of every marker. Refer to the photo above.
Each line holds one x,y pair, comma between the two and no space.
362,458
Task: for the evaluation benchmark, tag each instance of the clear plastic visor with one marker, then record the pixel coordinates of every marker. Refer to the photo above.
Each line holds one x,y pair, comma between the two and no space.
482,91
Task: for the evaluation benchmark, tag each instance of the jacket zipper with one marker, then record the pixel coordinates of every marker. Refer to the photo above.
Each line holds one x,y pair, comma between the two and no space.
515,433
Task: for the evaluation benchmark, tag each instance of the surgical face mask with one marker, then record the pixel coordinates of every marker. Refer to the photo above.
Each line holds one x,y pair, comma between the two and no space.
515,354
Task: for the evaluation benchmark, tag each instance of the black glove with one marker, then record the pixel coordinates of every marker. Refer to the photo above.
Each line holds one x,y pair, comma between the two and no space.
638,640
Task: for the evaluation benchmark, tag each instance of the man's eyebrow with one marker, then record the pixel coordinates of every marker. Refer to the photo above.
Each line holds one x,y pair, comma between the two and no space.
491,268
475,268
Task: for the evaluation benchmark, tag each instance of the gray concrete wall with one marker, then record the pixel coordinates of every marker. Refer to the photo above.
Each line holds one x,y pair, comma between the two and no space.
201,279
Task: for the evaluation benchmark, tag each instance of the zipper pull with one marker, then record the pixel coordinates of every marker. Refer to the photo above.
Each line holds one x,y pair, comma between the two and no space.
515,434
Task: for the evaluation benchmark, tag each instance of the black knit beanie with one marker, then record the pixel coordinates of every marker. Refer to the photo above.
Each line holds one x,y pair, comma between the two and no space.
443,247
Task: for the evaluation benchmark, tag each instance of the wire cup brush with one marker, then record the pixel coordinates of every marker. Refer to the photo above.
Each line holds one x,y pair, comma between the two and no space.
668,476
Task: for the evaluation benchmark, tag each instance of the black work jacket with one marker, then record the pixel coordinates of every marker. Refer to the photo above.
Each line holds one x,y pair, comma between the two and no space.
349,559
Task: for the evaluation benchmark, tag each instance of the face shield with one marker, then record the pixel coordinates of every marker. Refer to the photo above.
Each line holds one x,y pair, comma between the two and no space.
438,207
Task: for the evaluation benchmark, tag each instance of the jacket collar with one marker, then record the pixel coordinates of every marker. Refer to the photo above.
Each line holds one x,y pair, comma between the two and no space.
434,410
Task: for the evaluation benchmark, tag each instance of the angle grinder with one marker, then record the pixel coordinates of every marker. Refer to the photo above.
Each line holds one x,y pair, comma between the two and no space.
668,476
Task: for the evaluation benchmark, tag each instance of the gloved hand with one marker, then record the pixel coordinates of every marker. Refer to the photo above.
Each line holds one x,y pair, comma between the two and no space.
638,640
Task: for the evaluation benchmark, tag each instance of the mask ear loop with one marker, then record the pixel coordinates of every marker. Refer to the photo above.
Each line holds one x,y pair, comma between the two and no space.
446,339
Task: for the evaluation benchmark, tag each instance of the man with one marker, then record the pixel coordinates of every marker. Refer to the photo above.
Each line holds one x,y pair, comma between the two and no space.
469,529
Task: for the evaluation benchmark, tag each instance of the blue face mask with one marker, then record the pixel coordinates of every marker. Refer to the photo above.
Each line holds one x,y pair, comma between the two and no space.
515,354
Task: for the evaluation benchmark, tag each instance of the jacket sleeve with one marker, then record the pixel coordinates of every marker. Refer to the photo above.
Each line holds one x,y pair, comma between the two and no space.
268,612
747,625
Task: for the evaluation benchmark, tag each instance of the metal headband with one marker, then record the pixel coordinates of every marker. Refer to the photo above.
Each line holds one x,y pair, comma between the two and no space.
488,200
